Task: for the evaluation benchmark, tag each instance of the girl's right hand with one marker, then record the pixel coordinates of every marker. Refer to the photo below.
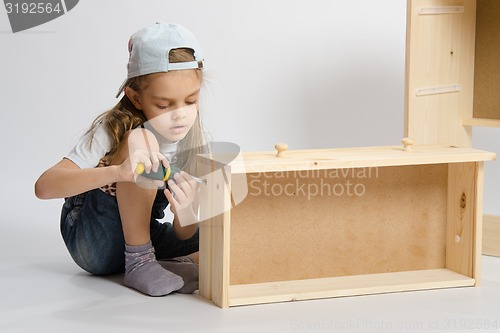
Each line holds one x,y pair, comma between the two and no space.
148,161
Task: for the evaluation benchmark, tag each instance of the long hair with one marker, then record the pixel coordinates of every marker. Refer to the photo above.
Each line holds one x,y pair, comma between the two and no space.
124,117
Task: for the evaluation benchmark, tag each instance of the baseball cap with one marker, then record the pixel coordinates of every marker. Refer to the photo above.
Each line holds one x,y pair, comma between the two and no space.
149,49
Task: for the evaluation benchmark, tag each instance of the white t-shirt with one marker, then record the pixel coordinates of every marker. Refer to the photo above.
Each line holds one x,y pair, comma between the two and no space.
96,144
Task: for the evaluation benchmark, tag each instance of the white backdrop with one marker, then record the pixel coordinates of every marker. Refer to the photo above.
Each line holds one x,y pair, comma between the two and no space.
314,74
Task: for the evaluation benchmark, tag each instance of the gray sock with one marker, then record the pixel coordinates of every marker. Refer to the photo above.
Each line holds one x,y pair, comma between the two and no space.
142,272
186,268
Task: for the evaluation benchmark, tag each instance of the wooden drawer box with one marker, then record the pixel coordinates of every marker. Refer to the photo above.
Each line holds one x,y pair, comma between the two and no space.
339,222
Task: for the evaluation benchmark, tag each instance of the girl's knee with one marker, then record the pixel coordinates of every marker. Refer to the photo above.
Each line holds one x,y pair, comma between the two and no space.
133,140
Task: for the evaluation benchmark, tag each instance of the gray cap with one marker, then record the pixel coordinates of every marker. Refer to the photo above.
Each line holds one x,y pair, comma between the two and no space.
149,49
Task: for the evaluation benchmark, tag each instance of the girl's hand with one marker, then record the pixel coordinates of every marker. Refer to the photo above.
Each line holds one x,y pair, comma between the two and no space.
181,197
143,150
150,161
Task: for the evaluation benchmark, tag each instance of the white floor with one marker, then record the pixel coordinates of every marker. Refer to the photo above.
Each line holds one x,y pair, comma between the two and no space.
44,291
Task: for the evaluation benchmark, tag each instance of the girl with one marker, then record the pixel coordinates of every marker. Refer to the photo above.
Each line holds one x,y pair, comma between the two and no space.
109,220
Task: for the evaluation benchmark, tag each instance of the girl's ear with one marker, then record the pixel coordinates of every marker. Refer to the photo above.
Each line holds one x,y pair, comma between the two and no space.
134,97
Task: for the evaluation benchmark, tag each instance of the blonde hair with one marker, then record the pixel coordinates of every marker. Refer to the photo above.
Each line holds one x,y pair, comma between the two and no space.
124,117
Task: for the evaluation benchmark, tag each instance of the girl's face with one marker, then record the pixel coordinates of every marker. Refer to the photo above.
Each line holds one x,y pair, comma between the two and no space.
170,102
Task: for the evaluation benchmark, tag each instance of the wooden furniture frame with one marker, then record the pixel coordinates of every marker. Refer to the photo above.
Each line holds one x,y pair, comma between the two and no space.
491,235
453,76
452,69
414,223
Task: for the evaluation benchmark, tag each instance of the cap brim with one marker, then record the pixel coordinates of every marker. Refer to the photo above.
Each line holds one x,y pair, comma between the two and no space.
122,87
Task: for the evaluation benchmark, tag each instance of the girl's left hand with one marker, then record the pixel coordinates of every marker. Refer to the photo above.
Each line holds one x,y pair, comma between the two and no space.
184,192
